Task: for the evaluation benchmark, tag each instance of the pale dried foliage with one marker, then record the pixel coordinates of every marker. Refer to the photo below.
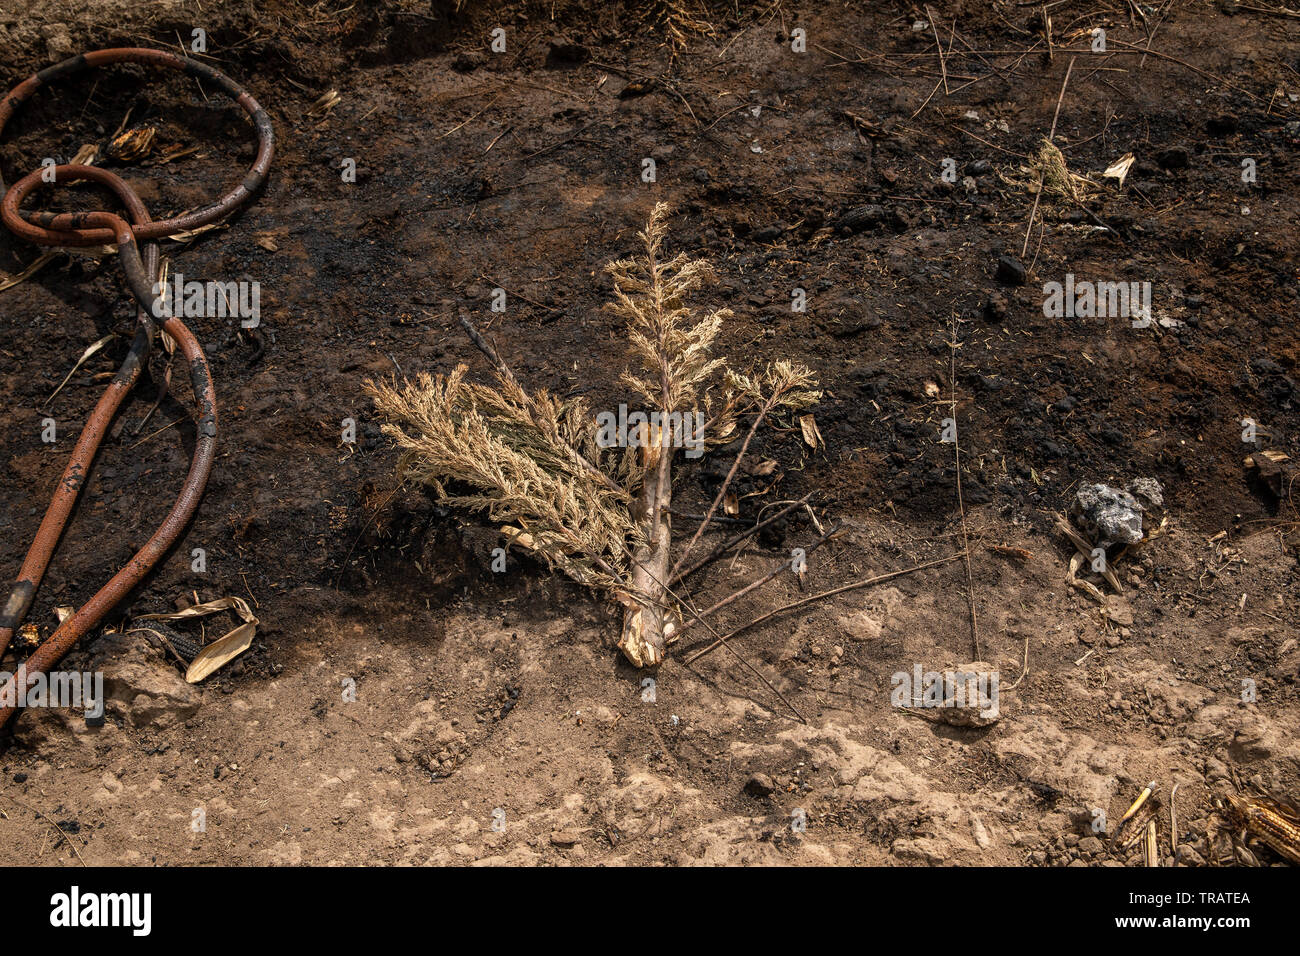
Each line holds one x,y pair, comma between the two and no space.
523,457
531,461
672,349
680,21
1058,181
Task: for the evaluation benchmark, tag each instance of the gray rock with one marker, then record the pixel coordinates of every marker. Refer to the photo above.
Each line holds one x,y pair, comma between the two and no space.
1108,514
1148,492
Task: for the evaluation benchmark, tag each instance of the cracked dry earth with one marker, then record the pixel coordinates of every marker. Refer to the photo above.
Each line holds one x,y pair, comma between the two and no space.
492,721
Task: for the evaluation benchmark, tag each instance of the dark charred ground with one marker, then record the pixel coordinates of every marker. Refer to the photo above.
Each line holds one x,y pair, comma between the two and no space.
523,170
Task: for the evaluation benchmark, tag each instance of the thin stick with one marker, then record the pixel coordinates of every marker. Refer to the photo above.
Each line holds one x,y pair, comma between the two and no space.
373,515
536,305
759,675
42,814
1173,812
90,350
1042,174
758,420
754,586
1284,12
170,346
961,504
471,118
802,602
1151,847
1084,548
506,131
1137,805
486,348
938,46
1024,248
1133,48
747,533
920,108
1151,37
1024,667
1060,97
717,519
157,433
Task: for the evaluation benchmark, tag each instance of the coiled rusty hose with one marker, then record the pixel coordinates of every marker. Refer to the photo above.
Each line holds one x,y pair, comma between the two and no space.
101,228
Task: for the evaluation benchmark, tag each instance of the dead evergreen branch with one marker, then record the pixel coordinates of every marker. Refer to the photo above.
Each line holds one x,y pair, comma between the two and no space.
544,469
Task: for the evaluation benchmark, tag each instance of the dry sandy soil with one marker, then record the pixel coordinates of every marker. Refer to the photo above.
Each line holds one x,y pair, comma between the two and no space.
485,697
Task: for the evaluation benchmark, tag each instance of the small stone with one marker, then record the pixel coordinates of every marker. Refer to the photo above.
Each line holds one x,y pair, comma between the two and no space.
921,850
1225,124
1118,611
1148,492
564,838
1010,271
759,785
969,696
1175,158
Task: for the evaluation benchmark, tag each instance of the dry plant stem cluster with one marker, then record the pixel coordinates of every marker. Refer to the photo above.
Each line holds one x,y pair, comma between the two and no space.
535,464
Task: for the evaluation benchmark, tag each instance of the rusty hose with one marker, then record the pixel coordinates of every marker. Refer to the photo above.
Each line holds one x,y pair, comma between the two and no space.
69,229
95,228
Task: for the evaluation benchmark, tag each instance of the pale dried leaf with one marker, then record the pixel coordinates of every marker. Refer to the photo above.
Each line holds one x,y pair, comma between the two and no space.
1118,170
225,648
812,436
90,350
39,263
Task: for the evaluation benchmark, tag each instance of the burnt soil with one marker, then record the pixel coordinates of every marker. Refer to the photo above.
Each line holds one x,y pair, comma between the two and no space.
479,692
